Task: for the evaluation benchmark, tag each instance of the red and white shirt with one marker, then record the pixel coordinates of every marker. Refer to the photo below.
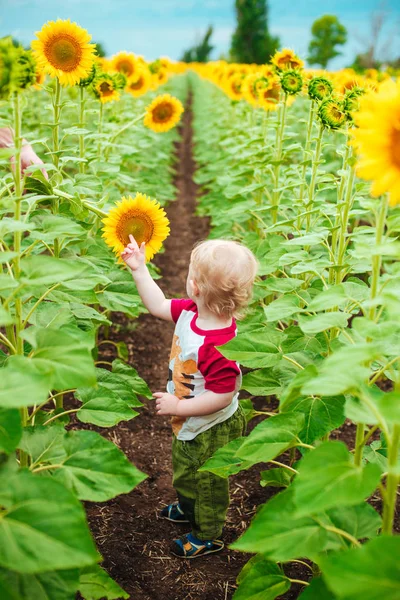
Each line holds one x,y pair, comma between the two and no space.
196,366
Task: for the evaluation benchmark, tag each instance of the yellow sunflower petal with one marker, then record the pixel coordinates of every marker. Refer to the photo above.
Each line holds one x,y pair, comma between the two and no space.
163,113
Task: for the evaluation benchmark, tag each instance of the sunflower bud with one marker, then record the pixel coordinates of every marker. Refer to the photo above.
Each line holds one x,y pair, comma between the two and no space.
351,101
120,81
86,81
104,88
25,70
332,114
319,88
291,81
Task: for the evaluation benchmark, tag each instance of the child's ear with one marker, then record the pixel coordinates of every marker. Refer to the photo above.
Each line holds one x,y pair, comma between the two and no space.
195,287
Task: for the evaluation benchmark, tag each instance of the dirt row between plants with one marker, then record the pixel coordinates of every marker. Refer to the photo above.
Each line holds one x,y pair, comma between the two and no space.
132,539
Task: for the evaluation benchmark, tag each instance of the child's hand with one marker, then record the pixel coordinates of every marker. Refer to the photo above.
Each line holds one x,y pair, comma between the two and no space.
134,256
166,404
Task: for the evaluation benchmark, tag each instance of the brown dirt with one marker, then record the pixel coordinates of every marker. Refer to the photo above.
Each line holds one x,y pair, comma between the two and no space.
132,539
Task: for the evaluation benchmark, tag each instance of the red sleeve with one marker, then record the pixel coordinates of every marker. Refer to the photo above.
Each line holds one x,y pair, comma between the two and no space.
179,305
219,373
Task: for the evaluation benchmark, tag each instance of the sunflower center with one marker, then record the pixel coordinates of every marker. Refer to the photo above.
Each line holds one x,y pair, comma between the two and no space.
163,112
63,52
137,84
137,224
105,88
396,145
336,113
126,67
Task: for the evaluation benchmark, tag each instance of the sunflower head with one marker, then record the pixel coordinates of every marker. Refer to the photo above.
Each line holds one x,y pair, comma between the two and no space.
62,50
141,217
8,60
291,81
125,62
286,59
351,100
140,83
233,86
319,88
249,88
332,114
25,70
163,113
105,88
120,81
268,93
377,140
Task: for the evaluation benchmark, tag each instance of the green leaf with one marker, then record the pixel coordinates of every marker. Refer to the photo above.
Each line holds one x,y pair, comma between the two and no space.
361,521
5,317
279,477
271,437
250,350
10,429
44,526
94,468
56,226
96,584
22,383
224,461
322,322
261,383
130,375
54,585
317,590
370,572
102,407
322,415
328,477
61,352
283,308
47,270
261,580
118,385
44,444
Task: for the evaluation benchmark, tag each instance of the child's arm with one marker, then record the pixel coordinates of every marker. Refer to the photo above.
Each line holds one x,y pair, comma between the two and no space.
205,404
152,296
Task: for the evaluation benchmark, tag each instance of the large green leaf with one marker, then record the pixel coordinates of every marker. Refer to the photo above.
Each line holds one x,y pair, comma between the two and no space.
10,429
279,477
61,351
102,407
94,468
271,437
370,572
322,415
96,584
317,590
44,526
130,375
251,350
121,386
224,461
261,579
23,383
328,477
261,383
322,322
55,585
5,317
46,270
283,308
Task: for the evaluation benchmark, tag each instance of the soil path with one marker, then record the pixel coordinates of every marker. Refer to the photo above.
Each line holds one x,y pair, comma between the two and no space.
131,538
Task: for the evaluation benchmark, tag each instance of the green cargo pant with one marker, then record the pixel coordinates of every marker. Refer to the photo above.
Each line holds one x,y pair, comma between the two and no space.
203,496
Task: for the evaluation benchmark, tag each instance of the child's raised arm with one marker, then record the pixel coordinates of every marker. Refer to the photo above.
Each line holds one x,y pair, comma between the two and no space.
152,296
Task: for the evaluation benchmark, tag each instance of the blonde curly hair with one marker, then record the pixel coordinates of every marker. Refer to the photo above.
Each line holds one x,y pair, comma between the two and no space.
224,272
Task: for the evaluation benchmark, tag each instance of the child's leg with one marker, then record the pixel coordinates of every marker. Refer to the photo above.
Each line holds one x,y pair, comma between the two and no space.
203,496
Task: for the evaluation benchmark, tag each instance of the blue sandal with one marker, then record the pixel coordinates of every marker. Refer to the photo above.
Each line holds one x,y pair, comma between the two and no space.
188,546
173,512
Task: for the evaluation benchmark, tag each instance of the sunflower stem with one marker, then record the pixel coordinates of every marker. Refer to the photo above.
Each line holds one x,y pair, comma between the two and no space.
311,115
56,149
377,258
100,130
17,113
340,194
278,156
82,166
344,221
315,164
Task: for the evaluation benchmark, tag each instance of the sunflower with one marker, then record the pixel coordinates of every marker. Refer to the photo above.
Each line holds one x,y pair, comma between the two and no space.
233,86
268,93
141,217
125,62
291,81
105,88
140,83
377,140
63,51
332,114
40,79
319,88
286,59
249,88
163,113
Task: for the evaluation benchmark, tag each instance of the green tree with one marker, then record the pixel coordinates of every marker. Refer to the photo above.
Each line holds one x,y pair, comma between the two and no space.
252,42
328,33
202,51
100,51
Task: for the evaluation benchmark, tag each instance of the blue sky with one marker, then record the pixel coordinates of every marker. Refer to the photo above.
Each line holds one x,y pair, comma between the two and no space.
167,27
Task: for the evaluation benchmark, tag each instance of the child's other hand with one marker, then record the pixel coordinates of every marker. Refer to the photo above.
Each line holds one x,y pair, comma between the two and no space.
134,256
166,404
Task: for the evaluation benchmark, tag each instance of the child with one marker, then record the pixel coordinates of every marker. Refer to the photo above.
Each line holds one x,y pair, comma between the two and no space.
202,391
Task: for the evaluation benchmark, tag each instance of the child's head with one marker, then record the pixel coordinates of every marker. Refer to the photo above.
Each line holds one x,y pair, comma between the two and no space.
221,275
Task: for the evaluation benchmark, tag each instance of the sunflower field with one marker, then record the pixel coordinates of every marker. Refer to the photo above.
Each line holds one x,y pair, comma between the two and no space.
301,166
